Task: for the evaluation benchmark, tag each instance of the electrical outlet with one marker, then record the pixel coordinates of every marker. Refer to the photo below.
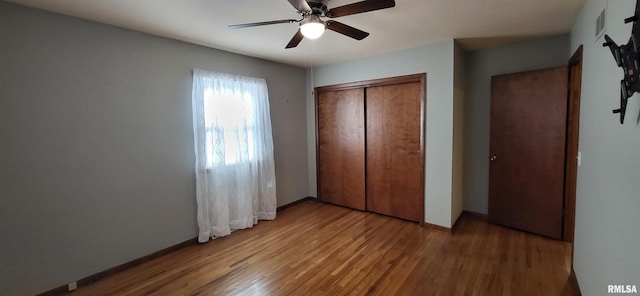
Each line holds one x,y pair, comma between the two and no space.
72,286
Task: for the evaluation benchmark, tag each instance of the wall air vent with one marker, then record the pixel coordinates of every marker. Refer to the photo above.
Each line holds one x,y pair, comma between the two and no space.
601,24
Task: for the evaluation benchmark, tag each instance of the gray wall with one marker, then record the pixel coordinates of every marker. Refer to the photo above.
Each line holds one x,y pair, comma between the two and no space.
480,66
96,144
437,61
457,183
607,235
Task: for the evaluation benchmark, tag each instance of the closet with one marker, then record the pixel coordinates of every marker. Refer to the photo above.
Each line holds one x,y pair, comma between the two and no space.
370,145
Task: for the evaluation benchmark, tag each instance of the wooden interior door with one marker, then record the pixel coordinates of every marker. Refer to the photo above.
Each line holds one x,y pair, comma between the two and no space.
395,163
528,128
341,150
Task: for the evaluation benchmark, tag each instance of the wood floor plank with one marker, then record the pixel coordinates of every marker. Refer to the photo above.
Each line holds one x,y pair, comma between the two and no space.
319,249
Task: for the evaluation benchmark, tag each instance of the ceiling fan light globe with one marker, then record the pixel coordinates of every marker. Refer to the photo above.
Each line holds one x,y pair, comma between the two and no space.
312,30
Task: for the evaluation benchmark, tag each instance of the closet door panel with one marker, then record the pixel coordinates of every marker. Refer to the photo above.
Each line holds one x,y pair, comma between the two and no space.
394,168
341,147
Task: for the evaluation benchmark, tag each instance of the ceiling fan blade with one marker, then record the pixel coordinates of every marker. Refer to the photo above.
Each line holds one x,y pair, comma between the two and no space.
360,7
346,30
240,26
300,5
295,40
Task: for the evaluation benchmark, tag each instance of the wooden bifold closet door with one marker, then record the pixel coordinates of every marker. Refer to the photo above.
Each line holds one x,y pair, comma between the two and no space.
394,164
371,146
341,147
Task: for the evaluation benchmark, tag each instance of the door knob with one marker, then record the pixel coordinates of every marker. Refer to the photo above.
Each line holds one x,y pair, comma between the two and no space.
492,158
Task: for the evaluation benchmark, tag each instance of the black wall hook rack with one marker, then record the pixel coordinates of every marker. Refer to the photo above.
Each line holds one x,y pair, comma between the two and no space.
628,57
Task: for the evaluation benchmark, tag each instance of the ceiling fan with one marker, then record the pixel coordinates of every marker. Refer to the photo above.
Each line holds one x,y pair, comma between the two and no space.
311,24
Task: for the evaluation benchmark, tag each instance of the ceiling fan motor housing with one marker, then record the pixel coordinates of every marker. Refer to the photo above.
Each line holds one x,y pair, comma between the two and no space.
319,9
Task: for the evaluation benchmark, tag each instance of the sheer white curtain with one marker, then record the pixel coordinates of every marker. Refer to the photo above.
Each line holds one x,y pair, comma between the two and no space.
235,174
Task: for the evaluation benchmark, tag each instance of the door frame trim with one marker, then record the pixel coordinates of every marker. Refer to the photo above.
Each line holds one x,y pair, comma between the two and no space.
422,79
572,147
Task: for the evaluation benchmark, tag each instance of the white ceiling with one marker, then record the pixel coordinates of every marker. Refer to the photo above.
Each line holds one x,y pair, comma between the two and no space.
479,23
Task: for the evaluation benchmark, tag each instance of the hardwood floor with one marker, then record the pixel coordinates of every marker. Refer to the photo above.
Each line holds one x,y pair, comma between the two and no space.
318,249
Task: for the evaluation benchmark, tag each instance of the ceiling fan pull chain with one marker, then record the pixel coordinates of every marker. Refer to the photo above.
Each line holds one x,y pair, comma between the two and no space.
313,53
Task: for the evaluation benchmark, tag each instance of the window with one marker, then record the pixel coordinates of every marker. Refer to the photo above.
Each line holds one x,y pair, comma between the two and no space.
229,122
235,169
231,119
